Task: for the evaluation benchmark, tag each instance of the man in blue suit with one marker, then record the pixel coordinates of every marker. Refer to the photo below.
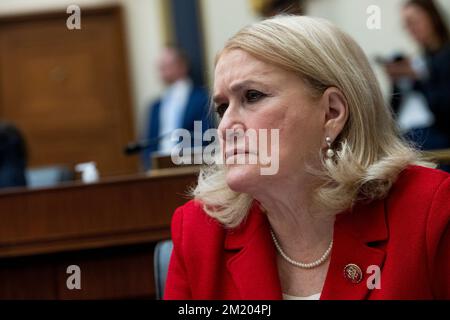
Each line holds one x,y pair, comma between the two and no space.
181,104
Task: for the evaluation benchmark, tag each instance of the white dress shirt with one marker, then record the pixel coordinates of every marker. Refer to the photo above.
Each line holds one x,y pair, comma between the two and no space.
172,110
311,297
414,112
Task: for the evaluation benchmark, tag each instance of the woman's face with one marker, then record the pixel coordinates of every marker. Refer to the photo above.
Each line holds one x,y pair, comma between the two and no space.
251,94
418,24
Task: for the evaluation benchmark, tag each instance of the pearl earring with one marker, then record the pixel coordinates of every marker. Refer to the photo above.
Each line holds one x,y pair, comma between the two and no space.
330,152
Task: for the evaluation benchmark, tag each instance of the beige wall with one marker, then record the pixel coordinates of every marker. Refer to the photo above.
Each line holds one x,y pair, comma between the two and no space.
144,35
221,19
144,27
351,16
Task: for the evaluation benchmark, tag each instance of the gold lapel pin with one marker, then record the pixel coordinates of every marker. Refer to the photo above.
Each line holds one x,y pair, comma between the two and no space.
353,273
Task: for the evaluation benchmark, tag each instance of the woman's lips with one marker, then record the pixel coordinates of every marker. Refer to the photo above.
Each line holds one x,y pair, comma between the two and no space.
237,152
234,152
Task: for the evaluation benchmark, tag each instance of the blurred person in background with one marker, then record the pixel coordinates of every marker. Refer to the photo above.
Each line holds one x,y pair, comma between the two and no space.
180,105
421,86
12,157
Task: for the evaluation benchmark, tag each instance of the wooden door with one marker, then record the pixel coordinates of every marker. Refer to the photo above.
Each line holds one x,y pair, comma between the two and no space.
67,90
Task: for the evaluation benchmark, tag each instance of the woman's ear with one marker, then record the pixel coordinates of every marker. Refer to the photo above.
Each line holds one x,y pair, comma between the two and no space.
336,112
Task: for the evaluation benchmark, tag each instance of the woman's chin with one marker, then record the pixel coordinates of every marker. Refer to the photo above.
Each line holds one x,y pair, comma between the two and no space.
242,178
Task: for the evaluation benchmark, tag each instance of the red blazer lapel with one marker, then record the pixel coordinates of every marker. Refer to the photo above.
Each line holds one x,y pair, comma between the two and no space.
253,266
353,233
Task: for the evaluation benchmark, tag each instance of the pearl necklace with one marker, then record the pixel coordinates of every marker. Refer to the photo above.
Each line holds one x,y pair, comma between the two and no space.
302,265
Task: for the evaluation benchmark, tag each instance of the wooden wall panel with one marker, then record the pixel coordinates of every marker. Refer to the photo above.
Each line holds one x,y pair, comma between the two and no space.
67,90
26,278
109,229
122,273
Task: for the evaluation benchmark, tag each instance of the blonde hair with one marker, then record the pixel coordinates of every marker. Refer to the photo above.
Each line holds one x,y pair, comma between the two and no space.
369,151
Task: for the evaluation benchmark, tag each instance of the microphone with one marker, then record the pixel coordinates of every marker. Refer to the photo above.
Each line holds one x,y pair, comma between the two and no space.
139,146
136,147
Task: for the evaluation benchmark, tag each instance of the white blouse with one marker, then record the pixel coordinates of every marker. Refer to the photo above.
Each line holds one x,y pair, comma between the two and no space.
312,297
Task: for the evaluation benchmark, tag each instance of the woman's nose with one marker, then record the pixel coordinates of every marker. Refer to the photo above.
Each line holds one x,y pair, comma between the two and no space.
231,136
231,123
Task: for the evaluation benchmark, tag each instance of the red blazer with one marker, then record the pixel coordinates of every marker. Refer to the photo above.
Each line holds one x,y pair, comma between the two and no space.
406,235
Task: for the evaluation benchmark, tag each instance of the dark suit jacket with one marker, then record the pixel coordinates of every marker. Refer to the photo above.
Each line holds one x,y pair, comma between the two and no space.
197,109
436,89
12,157
406,234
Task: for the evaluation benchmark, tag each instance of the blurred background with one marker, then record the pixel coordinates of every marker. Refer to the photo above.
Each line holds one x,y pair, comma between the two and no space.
90,91
80,95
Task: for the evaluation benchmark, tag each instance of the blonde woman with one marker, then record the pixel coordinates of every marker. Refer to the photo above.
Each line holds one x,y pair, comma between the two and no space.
352,212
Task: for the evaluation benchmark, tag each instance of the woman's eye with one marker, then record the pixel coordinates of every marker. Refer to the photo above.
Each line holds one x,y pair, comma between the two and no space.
221,109
253,95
